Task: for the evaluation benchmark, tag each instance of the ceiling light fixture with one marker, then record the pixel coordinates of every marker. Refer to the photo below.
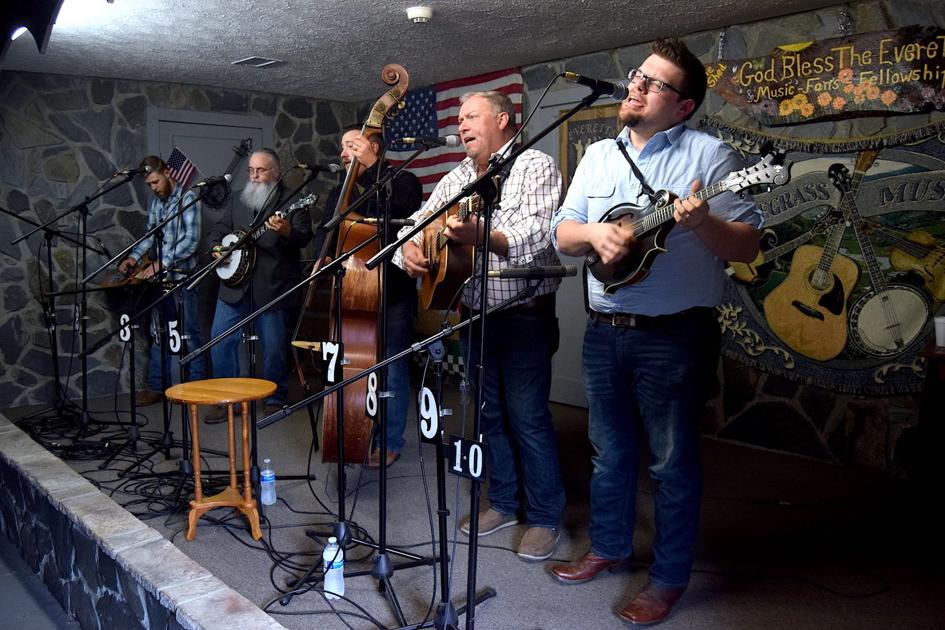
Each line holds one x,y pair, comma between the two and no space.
419,15
19,31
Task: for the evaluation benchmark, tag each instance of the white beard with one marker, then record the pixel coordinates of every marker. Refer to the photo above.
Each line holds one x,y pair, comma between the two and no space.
255,194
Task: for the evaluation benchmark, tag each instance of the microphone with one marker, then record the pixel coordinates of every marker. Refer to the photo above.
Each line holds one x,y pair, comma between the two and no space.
133,171
531,273
616,91
433,141
213,181
393,222
315,168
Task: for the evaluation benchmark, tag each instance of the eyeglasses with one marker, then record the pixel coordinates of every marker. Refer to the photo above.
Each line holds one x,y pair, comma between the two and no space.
650,84
257,171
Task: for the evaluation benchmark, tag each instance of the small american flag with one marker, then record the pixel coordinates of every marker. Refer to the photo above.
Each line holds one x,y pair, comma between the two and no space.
432,111
180,166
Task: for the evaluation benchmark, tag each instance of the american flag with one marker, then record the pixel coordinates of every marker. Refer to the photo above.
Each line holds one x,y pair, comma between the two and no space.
432,111
180,166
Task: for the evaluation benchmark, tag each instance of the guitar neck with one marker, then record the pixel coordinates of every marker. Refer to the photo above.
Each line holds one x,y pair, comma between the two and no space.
780,250
831,247
852,214
664,213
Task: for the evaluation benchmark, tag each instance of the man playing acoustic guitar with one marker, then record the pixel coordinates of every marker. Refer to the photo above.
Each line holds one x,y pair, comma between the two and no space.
521,339
651,347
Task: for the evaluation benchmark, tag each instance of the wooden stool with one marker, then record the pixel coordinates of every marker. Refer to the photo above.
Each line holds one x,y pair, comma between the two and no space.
222,391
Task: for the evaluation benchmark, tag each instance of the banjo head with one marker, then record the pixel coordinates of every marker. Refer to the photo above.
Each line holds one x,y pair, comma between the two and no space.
888,322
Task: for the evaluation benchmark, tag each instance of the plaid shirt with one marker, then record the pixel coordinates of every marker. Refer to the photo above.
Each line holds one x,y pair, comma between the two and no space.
181,235
529,197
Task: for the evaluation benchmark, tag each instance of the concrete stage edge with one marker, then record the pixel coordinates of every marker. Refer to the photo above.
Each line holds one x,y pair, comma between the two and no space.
104,566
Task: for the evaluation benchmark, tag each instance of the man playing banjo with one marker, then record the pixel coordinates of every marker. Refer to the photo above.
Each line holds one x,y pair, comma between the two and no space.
274,268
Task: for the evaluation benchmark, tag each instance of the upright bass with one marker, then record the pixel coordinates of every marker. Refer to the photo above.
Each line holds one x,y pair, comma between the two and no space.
360,300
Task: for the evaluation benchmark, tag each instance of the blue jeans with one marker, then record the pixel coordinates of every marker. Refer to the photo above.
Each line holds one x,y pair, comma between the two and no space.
197,369
654,379
516,421
400,316
273,338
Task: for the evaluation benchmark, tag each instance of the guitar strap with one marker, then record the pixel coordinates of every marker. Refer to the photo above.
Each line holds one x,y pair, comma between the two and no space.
647,190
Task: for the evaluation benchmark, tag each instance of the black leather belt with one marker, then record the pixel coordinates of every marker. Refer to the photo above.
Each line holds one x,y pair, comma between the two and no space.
633,320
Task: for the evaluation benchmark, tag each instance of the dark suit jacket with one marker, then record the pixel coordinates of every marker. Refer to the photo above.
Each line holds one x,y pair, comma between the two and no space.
278,258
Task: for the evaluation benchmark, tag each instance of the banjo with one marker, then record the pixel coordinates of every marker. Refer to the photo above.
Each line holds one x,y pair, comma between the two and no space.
889,318
238,261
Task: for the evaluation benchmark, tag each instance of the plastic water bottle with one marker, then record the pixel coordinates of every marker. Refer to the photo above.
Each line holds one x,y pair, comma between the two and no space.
267,483
333,558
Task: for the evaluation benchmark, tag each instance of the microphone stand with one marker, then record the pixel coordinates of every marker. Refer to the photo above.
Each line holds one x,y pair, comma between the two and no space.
166,442
84,418
488,188
61,405
382,568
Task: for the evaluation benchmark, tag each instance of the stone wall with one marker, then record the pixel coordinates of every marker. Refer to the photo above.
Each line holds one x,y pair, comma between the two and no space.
60,138
751,406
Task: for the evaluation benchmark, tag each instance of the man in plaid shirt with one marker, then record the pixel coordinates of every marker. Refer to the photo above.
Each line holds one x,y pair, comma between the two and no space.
179,241
521,339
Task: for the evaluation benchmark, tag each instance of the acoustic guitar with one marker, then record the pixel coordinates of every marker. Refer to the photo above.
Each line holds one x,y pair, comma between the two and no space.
808,310
235,270
650,226
451,263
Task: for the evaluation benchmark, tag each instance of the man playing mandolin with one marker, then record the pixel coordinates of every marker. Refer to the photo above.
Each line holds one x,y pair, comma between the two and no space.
276,268
520,339
651,347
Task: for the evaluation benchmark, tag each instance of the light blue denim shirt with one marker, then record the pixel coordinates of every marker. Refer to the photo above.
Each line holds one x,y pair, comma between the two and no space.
688,274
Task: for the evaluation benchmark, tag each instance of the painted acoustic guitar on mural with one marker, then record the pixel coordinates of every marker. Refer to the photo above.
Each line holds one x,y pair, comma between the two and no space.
808,310
756,272
917,252
889,318
235,270
451,263
650,226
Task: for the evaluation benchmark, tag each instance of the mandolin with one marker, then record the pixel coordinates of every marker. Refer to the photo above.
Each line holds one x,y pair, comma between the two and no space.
650,226
756,272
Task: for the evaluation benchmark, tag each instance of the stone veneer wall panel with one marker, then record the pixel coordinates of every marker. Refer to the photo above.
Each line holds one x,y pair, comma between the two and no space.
60,138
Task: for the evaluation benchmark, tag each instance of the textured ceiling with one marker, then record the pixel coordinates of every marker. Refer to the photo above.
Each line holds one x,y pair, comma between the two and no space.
335,50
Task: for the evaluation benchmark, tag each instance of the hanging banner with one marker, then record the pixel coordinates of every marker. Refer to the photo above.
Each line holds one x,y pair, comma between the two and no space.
901,70
871,222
